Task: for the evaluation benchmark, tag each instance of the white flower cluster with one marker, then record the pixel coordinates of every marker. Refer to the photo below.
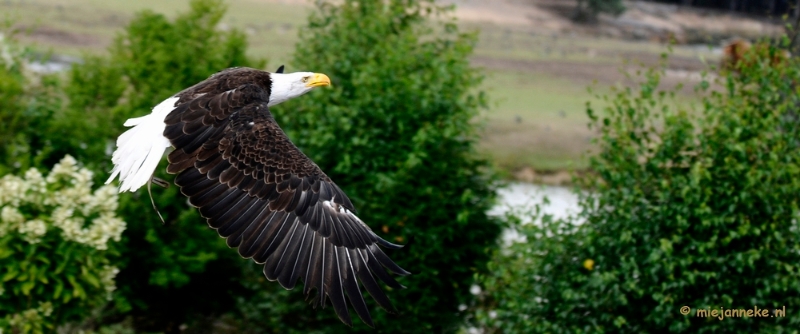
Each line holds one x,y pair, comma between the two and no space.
33,230
107,275
65,195
31,316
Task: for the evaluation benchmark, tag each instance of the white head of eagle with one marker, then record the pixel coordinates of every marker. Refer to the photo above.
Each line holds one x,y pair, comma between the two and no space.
257,189
290,85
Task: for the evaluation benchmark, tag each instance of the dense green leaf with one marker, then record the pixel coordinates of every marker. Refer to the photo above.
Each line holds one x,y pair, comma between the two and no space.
685,207
396,132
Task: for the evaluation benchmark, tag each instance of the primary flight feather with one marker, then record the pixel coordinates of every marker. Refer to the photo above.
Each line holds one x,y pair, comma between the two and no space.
257,189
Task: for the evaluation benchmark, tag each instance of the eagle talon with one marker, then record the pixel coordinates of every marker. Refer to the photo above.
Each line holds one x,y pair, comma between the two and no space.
160,182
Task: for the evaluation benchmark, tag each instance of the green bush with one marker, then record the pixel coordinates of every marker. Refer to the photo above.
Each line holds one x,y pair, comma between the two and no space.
11,102
181,272
694,208
395,132
28,102
54,247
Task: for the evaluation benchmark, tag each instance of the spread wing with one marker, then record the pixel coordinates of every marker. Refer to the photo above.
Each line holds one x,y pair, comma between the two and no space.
272,202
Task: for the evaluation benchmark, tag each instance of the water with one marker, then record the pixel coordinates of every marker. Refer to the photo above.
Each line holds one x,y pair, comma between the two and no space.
55,64
521,196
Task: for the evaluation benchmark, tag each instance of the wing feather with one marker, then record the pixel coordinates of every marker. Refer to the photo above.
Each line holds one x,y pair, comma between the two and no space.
372,287
336,293
292,258
276,236
205,198
273,203
199,183
256,239
351,287
217,169
228,227
206,165
238,204
223,205
312,278
271,269
247,228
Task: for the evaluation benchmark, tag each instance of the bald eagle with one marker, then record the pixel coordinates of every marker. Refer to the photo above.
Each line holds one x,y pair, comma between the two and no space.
257,189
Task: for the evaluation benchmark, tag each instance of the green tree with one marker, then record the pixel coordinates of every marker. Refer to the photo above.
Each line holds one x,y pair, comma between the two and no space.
695,208
182,271
396,132
587,10
28,102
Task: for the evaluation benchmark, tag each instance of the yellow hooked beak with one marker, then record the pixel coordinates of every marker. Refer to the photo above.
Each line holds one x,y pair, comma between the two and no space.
318,80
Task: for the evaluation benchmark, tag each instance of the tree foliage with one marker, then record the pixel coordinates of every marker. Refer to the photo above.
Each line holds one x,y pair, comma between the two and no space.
180,271
695,208
395,132
28,103
587,10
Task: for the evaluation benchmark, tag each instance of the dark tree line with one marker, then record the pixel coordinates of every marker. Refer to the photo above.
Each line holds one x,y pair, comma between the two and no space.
587,10
762,7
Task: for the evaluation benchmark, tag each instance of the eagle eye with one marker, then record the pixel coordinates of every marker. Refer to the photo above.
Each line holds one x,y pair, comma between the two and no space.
305,79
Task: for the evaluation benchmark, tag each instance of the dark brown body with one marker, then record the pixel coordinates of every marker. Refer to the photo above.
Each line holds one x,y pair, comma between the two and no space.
267,198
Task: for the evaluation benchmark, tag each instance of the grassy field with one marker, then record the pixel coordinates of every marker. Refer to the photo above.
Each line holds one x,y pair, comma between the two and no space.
537,81
76,26
539,87
535,120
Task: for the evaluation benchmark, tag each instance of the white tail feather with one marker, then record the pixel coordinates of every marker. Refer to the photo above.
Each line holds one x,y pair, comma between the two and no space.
135,121
141,147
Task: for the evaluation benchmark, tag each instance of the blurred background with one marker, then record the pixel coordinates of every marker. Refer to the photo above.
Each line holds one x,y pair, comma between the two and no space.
539,56
569,165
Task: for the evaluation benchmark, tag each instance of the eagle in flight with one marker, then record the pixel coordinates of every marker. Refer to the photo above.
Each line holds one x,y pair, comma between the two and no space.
257,189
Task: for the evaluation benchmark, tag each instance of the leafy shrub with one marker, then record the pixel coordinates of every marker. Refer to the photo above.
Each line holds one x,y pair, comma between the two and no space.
179,272
694,208
28,103
395,133
54,247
